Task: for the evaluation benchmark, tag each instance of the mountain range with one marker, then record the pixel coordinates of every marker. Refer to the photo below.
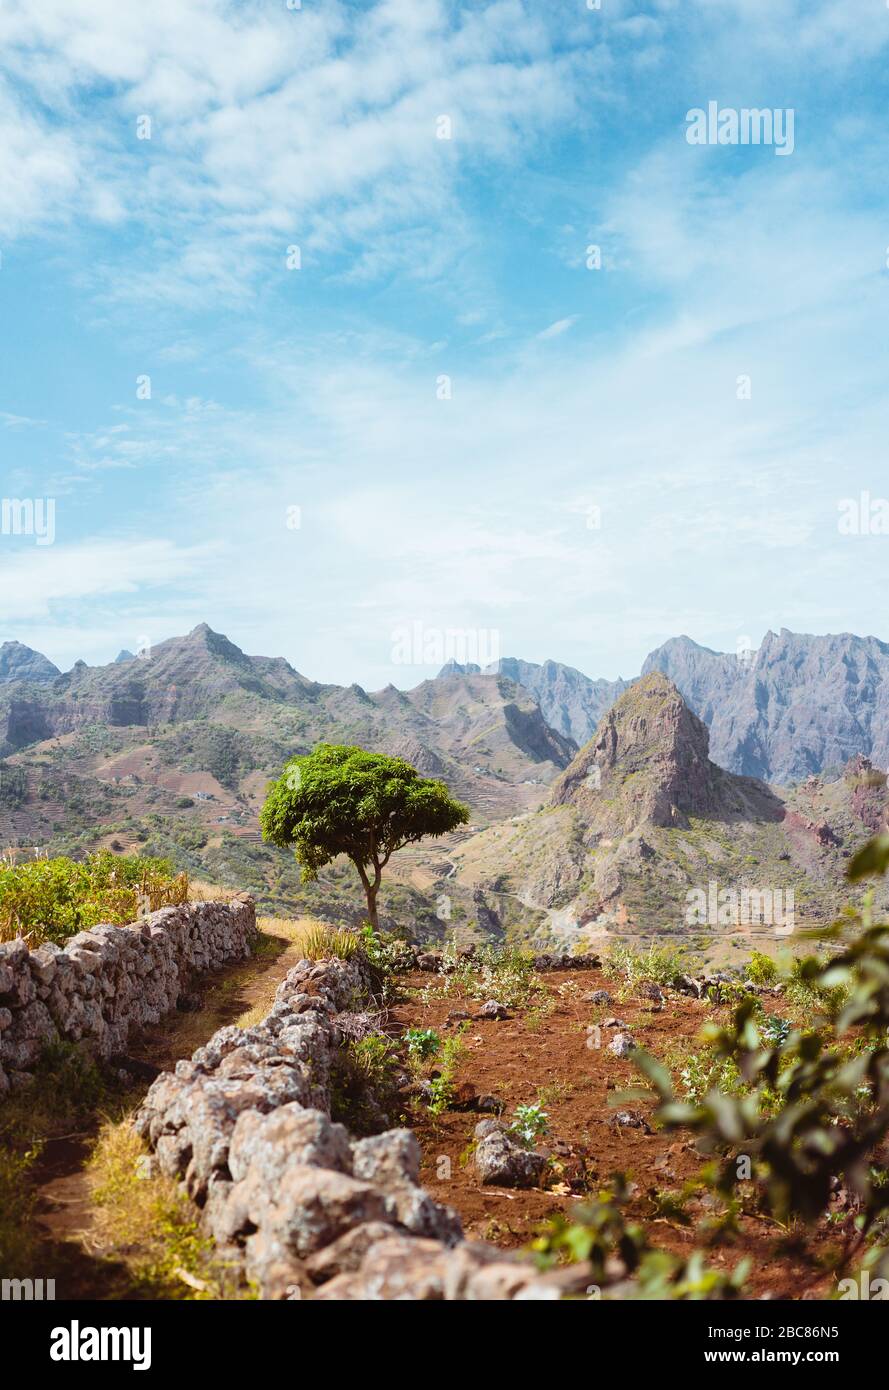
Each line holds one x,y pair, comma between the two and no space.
170,753
799,705
595,804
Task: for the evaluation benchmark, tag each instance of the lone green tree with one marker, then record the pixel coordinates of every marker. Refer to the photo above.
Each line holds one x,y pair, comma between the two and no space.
341,799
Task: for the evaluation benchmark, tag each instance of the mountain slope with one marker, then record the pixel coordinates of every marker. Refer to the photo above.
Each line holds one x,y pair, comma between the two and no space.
185,739
492,718
801,705
570,702
643,822
180,679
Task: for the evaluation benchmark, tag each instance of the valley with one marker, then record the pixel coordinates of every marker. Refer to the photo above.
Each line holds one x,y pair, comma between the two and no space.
170,754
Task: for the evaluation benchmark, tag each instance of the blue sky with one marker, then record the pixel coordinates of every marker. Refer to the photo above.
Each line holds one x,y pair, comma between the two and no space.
318,388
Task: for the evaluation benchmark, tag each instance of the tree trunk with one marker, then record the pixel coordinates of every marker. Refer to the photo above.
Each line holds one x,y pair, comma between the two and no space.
371,892
371,888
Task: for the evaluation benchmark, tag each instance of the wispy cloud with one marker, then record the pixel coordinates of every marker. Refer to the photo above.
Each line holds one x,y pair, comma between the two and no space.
260,128
560,326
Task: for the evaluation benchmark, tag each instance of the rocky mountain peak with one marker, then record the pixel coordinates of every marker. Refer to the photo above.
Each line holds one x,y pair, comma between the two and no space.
647,763
217,644
649,721
21,663
454,668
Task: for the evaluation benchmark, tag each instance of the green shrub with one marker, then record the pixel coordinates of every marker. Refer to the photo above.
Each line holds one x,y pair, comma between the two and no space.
659,963
806,988
421,1043
441,1087
761,969
52,899
387,951
504,973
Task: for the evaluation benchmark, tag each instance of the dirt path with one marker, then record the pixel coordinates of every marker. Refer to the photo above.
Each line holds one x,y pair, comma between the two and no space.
69,1251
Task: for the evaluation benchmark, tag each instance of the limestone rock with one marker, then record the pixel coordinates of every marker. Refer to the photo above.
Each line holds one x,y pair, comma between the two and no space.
621,1045
502,1162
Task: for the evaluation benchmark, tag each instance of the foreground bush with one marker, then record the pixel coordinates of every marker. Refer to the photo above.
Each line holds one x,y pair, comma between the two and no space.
52,899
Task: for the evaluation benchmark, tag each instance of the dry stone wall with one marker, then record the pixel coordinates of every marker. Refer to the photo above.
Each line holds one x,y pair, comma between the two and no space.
108,981
302,1208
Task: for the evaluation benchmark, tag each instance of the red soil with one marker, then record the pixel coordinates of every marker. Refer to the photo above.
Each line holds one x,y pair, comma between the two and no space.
544,1056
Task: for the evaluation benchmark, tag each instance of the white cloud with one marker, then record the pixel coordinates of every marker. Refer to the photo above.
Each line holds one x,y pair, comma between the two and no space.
36,580
40,170
561,326
269,126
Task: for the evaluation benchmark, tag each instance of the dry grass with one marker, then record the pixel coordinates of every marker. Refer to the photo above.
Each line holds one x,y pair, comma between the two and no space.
17,1241
147,1223
302,936
293,928
199,891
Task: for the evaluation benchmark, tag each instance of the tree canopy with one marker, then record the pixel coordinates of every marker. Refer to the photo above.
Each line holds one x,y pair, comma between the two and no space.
341,799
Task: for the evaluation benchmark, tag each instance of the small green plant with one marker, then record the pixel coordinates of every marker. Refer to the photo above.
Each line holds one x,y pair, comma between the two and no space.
441,1087
704,1071
364,1082
658,963
774,1029
374,1056
324,943
421,1043
529,1123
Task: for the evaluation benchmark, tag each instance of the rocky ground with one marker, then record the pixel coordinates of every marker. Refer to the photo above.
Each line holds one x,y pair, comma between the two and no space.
358,1212
547,1052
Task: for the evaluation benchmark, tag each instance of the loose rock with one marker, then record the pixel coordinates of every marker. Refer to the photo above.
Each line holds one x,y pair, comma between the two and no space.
502,1162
